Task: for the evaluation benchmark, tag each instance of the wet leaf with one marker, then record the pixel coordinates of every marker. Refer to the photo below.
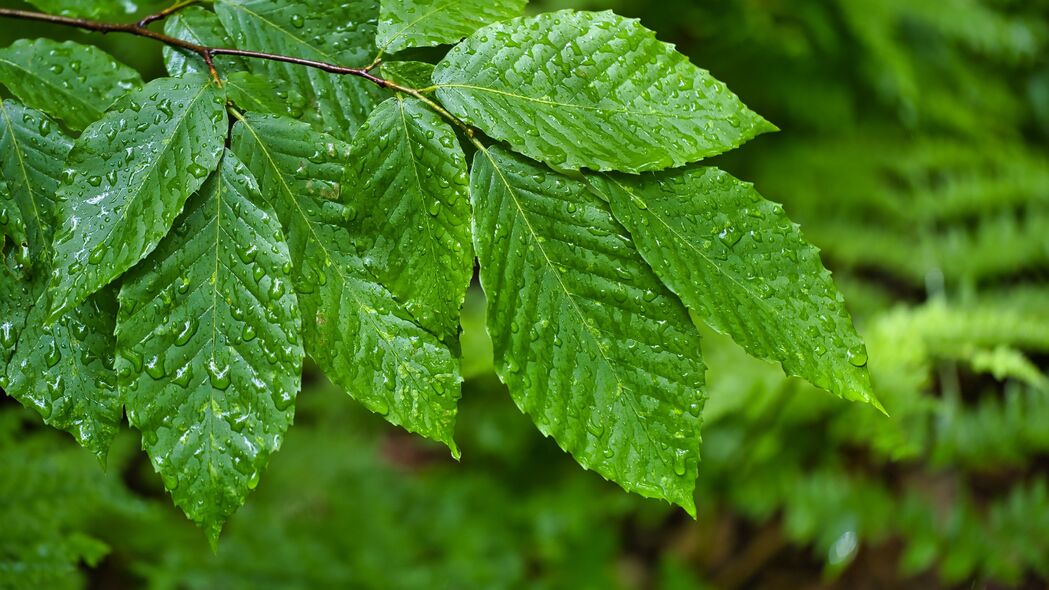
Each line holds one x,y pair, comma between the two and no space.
128,178
361,337
210,348
744,267
425,23
341,33
591,90
410,186
32,154
72,82
202,27
64,370
591,345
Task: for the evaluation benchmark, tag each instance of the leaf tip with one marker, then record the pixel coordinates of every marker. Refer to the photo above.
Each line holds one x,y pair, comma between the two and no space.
213,530
877,405
102,456
690,507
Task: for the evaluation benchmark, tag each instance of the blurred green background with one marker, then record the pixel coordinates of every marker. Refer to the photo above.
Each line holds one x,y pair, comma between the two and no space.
913,152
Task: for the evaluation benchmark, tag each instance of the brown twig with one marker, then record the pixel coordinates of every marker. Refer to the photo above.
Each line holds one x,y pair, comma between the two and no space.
207,54
163,14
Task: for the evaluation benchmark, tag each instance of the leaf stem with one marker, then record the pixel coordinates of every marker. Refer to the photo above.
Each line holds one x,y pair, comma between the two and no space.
163,14
207,54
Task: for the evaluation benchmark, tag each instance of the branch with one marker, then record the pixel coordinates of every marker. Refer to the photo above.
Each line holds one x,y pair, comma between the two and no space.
163,14
140,29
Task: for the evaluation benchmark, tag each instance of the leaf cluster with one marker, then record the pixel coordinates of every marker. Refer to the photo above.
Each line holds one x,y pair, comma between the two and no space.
176,248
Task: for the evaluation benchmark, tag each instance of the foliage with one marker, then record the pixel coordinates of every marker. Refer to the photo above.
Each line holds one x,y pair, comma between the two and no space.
923,178
51,497
239,237
913,155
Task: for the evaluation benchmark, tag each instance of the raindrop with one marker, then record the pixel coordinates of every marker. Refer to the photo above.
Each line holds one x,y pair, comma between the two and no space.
219,375
858,356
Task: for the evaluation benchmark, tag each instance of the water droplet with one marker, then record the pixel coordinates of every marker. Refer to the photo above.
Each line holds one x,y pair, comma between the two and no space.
186,331
155,368
183,376
219,375
53,354
197,170
858,356
695,408
730,236
680,461
595,427
98,253
247,255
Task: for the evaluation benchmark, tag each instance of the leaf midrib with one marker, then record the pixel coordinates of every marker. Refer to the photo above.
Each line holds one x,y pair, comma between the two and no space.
590,330
346,280
25,174
624,110
418,180
212,443
73,97
167,142
677,236
408,26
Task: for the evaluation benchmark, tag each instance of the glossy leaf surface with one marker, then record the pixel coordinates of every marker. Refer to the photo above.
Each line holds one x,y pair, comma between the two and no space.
12,226
424,23
72,82
129,176
411,191
413,74
591,345
94,8
341,33
32,153
64,370
591,90
202,27
361,337
210,351
744,267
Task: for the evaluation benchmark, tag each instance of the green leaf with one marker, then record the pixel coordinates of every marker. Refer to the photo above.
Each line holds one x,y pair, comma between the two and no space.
592,346
413,74
334,32
203,27
32,155
353,327
425,23
593,90
209,347
412,194
254,93
64,370
744,267
131,173
69,81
